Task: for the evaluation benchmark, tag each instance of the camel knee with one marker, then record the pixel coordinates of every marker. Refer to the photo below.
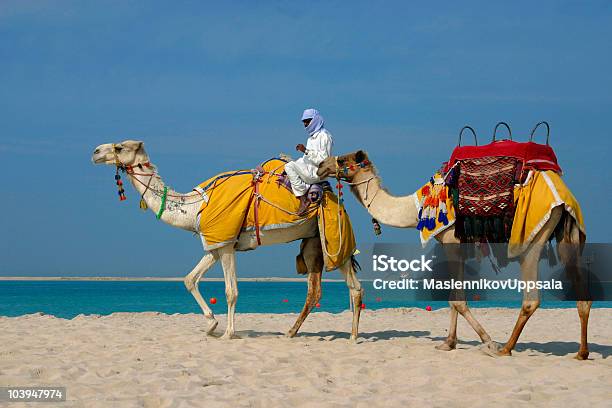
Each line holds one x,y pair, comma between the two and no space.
316,296
313,300
190,282
460,307
529,306
231,296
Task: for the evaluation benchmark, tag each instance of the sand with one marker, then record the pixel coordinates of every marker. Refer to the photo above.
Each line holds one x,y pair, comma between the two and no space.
158,360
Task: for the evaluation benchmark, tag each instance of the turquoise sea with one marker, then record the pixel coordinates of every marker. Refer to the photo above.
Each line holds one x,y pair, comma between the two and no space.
67,299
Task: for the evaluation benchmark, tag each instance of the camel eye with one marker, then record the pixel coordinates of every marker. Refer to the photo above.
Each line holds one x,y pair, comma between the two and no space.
118,148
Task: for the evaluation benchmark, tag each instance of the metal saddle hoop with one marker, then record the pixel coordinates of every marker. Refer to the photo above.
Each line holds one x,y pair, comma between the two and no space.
470,129
547,131
497,126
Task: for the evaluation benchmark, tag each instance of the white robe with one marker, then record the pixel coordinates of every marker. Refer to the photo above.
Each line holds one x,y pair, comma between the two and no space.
303,171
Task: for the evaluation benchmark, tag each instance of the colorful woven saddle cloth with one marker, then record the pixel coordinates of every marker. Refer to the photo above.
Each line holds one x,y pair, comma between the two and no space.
533,201
483,196
259,200
482,180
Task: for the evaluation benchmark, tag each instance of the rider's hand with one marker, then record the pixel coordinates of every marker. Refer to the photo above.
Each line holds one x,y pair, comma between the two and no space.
300,148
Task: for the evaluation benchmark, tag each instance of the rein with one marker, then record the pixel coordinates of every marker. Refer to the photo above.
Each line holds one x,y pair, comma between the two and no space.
130,170
342,174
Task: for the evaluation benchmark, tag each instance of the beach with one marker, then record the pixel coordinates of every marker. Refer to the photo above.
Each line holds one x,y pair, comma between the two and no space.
156,360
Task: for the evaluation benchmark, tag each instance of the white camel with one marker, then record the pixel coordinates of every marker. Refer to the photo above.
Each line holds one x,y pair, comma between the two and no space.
180,210
402,212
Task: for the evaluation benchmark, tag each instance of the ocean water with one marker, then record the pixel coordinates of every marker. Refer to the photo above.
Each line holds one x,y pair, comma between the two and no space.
67,299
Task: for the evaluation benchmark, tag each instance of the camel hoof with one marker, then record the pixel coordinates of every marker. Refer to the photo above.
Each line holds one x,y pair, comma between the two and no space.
211,327
582,355
446,346
353,338
494,349
290,334
229,336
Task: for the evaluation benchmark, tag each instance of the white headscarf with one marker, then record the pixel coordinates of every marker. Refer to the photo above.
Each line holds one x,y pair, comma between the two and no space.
317,123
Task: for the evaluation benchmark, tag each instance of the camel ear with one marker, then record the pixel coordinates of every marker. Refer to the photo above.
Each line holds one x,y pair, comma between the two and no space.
360,156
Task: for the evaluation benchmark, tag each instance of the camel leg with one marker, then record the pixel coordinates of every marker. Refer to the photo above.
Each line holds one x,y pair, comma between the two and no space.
227,256
313,258
191,283
459,305
584,308
529,272
451,340
464,310
356,294
531,300
569,251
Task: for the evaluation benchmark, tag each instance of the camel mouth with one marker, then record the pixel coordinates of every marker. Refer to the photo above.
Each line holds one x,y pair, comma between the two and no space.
98,160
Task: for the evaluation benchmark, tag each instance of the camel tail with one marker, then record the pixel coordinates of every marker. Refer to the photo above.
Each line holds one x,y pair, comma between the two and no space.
570,239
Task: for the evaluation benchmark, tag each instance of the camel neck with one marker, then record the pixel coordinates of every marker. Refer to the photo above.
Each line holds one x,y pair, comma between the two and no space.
179,211
388,209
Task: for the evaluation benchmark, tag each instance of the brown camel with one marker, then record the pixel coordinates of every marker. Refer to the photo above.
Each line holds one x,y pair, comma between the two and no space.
402,212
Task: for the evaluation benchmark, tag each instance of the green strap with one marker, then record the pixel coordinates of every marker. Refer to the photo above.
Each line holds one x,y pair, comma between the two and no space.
163,203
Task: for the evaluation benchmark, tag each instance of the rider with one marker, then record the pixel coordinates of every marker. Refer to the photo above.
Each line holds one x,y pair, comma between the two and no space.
303,171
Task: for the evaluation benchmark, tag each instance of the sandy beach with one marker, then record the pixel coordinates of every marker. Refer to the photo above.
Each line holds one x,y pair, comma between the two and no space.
158,360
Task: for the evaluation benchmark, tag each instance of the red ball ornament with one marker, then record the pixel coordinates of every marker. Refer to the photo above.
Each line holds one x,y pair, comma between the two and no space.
428,308
213,301
318,305
378,299
363,305
285,300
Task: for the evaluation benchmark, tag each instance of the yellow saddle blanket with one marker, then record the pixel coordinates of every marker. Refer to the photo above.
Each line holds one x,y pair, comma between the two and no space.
534,200
255,200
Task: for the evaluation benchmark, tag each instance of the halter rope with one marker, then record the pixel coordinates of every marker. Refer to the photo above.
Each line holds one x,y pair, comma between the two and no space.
343,172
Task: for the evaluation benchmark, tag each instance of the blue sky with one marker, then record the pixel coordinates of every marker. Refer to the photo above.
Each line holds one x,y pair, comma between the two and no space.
211,87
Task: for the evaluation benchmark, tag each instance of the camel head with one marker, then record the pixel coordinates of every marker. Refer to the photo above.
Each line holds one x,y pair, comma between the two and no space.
345,166
126,153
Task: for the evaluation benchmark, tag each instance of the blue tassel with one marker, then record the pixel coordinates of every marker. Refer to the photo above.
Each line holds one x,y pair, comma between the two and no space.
431,224
443,218
421,224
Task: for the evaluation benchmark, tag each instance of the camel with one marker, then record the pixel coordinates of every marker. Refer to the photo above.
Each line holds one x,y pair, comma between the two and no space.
402,212
180,211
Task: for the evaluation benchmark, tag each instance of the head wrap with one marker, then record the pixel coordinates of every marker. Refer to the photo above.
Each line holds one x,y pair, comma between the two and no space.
317,123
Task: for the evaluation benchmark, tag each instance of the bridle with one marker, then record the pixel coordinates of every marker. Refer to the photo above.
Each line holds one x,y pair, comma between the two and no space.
342,175
129,169
165,195
342,172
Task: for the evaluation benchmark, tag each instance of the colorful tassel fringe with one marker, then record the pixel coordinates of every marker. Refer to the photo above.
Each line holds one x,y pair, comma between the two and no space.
433,204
